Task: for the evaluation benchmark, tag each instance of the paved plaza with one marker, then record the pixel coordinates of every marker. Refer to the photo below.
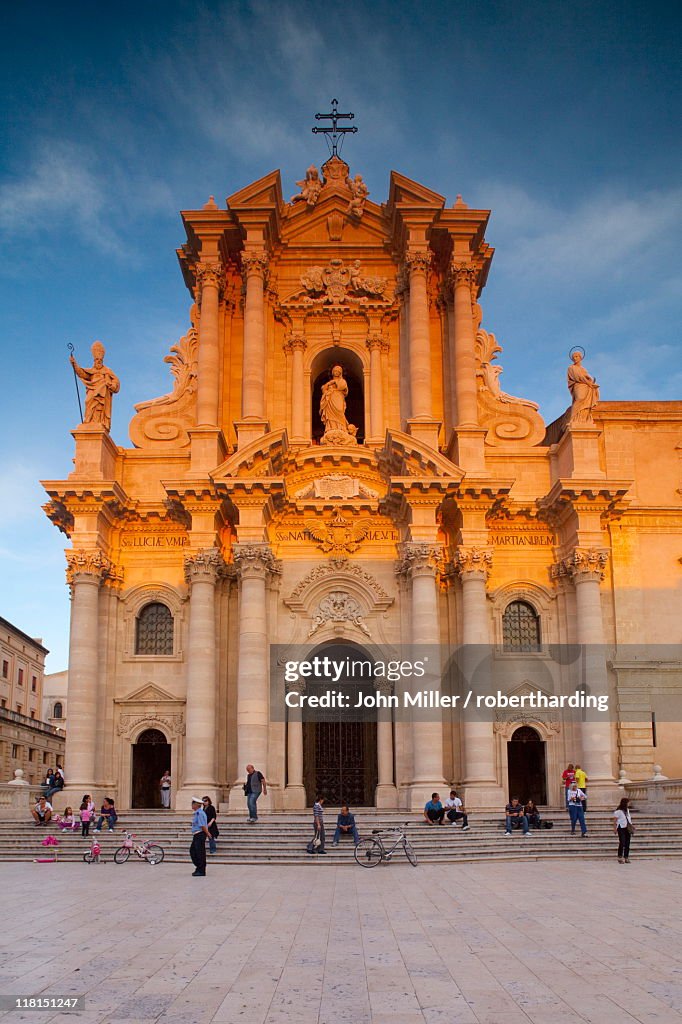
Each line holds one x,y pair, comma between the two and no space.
475,944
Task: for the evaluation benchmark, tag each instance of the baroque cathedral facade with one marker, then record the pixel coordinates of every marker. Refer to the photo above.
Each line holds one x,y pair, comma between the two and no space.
337,463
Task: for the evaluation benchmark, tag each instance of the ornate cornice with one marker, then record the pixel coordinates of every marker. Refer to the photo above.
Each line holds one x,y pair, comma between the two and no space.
256,561
92,564
205,565
472,562
582,564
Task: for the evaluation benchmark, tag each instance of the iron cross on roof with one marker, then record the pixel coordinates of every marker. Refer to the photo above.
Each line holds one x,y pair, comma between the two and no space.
333,133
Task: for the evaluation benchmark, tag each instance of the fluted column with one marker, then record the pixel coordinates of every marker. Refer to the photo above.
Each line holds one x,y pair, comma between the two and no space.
294,794
254,265
463,281
85,573
210,281
297,346
419,563
376,344
202,571
480,779
255,564
586,567
421,403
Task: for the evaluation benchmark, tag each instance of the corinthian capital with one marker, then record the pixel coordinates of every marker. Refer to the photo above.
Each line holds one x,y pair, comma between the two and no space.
582,564
472,562
419,559
418,261
255,560
210,275
92,565
463,273
255,261
205,565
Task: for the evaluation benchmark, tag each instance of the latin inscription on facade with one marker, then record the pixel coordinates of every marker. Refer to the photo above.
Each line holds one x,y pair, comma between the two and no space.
376,534
153,541
522,540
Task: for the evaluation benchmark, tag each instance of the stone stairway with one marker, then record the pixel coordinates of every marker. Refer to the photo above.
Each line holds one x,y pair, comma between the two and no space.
281,838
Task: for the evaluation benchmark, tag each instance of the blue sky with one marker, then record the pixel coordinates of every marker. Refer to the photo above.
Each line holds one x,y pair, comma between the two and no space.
560,118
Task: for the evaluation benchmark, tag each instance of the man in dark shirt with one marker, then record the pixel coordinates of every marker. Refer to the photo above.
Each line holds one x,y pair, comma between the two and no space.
345,823
515,813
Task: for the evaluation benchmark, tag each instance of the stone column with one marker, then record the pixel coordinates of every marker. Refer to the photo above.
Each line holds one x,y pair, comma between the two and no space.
202,571
85,572
420,562
463,281
586,567
386,794
294,794
376,345
254,266
210,281
255,563
297,346
479,775
421,403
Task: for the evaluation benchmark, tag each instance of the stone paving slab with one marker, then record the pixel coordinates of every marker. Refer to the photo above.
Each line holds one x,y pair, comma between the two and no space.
487,943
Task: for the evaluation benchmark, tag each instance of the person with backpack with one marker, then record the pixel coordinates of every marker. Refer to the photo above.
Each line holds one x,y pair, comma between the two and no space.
623,827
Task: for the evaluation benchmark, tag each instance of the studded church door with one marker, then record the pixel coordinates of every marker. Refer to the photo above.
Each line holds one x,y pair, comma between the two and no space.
341,762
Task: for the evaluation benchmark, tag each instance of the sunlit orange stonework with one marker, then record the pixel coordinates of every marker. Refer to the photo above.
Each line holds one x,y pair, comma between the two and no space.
418,507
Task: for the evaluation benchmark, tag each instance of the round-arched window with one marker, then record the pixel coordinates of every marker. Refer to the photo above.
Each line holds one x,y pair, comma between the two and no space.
520,627
154,630
58,711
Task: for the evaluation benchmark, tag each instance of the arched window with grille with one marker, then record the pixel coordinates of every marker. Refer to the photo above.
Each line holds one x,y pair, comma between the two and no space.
520,627
58,711
154,630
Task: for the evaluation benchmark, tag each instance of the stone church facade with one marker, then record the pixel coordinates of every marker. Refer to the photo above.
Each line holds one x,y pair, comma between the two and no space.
337,462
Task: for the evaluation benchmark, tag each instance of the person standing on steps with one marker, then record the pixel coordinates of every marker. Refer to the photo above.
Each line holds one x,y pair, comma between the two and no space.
575,799
165,787
318,824
581,783
623,827
211,823
253,787
197,850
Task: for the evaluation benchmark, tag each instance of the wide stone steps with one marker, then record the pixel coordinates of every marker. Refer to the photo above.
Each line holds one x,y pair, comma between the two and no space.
282,838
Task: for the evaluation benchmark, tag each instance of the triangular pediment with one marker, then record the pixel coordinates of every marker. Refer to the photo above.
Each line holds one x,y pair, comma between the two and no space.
305,226
405,192
150,693
264,193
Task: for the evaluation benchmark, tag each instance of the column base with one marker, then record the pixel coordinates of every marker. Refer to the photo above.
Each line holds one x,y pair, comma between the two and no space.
483,796
250,430
183,796
417,794
426,431
467,449
294,798
386,797
604,795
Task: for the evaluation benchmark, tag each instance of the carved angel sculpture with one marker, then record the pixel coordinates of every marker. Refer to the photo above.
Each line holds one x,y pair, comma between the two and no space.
310,187
359,193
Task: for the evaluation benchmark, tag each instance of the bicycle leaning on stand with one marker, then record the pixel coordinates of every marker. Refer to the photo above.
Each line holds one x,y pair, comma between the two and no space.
151,852
370,852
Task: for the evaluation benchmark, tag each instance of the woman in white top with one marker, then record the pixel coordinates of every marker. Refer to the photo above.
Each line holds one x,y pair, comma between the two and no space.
620,826
165,786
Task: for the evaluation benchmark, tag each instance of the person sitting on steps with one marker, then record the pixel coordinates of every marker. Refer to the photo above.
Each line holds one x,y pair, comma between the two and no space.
515,816
454,810
345,823
434,810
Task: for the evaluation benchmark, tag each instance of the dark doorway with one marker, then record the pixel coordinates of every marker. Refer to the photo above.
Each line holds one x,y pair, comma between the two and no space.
527,767
341,762
355,402
151,757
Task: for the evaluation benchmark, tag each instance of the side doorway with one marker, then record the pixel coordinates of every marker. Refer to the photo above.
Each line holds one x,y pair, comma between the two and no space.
527,765
151,756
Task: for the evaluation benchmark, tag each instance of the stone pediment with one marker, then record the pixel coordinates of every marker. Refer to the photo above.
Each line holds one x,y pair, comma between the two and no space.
264,193
405,456
150,693
406,192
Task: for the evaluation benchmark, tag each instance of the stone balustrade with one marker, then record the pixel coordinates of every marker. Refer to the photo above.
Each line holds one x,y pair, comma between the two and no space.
656,797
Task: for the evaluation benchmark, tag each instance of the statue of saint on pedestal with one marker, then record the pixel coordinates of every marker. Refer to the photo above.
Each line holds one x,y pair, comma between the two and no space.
100,384
337,429
584,391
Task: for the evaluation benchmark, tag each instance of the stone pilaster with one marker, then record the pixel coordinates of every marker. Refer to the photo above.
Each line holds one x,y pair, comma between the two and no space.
376,346
482,790
386,794
294,794
255,566
202,571
210,278
296,346
86,570
586,567
421,422
419,565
